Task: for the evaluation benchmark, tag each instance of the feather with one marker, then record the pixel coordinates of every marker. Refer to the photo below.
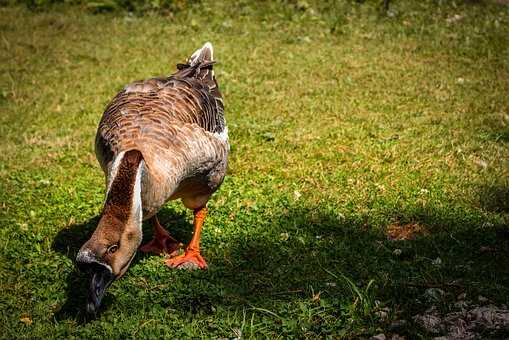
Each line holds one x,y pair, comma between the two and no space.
178,125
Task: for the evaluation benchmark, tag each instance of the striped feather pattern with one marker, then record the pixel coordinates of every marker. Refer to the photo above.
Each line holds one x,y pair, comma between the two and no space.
175,122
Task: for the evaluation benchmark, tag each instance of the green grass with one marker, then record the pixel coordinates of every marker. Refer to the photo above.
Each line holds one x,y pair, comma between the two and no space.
343,121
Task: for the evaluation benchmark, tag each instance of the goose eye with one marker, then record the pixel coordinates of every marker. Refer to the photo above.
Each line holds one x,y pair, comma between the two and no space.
113,248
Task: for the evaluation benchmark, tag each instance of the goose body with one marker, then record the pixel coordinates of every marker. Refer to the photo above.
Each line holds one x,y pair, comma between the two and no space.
178,125
159,139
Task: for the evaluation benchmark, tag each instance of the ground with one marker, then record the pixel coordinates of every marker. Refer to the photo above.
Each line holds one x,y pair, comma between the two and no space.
369,164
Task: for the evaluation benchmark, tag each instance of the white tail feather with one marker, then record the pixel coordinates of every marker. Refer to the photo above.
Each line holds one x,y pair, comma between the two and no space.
206,53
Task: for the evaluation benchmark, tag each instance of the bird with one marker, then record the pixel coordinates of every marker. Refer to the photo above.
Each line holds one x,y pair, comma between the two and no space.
158,140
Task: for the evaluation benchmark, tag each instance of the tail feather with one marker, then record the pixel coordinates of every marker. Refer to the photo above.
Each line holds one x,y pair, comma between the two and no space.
199,66
201,55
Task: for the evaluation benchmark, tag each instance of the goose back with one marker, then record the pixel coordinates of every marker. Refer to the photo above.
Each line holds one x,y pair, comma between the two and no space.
178,125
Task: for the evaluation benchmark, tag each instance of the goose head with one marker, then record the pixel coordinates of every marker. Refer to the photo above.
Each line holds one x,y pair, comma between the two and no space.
106,256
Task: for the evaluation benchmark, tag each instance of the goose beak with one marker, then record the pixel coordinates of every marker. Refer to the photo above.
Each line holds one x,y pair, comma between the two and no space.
100,279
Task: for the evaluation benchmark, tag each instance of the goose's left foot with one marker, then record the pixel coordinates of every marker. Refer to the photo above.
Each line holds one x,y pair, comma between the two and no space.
163,242
192,259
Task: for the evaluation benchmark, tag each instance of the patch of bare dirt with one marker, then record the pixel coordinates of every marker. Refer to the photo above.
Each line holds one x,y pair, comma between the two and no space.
398,232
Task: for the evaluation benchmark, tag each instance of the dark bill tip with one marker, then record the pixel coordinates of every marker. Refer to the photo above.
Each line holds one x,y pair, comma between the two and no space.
100,279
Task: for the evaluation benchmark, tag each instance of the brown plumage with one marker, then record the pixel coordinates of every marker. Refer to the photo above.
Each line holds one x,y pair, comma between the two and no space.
178,120
159,139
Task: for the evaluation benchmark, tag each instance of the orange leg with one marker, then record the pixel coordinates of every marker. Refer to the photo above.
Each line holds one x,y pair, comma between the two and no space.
162,242
192,259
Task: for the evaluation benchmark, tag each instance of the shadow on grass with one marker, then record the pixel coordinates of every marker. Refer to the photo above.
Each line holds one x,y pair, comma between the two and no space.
290,258
495,198
69,240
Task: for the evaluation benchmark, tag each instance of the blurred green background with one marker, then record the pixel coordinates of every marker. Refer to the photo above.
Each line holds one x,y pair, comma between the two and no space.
369,163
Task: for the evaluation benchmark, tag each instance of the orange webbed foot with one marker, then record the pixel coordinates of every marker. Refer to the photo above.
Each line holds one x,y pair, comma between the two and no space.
189,260
163,243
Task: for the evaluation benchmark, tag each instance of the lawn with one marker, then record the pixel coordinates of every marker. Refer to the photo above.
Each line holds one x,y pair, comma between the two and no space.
369,163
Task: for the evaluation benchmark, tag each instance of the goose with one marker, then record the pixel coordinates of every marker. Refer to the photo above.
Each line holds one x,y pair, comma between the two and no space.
159,139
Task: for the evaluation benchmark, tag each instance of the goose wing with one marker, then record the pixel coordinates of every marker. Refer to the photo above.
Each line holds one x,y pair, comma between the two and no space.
183,113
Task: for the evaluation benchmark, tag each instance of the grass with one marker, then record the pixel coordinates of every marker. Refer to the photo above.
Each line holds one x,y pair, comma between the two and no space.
344,123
